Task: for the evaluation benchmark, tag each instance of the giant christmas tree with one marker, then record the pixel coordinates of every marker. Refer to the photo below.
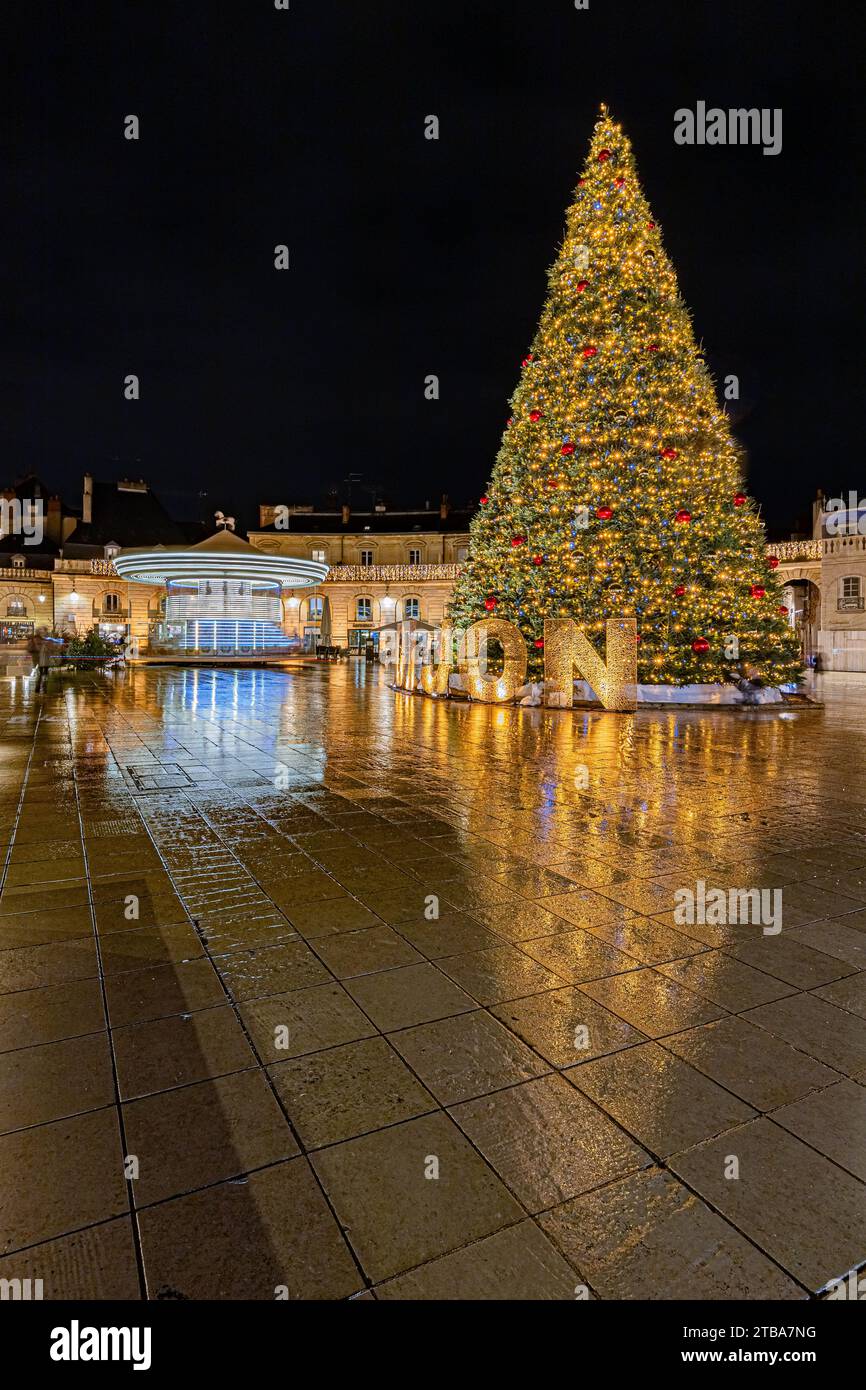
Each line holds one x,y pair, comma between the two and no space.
618,487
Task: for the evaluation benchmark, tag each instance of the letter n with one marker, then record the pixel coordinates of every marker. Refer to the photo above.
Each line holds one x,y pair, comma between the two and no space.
567,650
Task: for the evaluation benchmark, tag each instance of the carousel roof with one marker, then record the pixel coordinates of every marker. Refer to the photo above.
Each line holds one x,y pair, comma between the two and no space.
222,556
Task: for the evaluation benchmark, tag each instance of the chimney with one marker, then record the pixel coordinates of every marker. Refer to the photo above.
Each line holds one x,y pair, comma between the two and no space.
347,512
87,499
444,507
53,513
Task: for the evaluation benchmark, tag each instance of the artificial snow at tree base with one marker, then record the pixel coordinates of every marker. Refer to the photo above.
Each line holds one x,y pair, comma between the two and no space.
533,694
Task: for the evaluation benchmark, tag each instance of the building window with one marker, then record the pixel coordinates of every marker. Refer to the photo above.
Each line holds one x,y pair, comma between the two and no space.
411,608
462,552
363,610
850,594
366,557
414,557
314,609
111,552
111,603
318,556
18,562
15,608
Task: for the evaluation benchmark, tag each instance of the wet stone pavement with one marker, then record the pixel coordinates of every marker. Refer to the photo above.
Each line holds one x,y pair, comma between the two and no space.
242,1057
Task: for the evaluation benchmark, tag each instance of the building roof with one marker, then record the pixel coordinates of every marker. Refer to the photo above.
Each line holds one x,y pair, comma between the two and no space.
128,514
36,557
28,487
42,554
373,522
225,542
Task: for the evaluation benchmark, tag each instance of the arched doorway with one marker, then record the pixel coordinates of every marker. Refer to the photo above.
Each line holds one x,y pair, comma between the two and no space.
802,598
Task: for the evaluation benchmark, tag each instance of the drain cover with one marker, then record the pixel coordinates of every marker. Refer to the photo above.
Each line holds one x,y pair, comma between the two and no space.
159,777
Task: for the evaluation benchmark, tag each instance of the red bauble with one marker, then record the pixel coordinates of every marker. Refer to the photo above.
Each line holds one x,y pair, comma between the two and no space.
581,182
680,590
620,181
539,642
604,513
567,449
637,637
653,347
603,156
590,351
528,358
484,500
773,561
783,609
739,499
538,559
757,590
650,226
534,415
510,420
700,645
683,516
552,482
490,603
669,453
581,286
518,540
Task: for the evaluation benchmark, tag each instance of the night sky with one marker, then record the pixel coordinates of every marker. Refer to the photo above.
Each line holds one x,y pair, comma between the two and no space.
408,256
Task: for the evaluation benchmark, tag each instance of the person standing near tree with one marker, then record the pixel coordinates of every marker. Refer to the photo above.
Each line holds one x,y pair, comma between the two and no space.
44,644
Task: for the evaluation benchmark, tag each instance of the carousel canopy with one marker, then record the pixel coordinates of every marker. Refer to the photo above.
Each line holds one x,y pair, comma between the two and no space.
222,556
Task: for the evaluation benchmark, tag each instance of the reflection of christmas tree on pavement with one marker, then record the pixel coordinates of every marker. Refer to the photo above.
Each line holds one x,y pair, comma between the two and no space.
617,487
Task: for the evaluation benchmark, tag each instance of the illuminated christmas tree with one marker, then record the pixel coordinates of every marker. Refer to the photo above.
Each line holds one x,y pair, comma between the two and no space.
618,486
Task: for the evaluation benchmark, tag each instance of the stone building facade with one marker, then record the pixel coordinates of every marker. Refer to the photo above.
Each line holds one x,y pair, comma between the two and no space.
385,565
824,581
60,575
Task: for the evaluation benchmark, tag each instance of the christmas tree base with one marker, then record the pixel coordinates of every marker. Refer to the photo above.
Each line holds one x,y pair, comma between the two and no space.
708,696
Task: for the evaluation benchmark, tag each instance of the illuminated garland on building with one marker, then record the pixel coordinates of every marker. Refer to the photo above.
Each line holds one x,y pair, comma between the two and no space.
618,487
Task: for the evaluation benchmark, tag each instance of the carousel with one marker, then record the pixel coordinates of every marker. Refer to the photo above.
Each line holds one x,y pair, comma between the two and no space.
223,598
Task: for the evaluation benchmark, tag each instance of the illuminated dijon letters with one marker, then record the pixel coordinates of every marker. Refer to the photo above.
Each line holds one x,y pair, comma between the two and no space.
567,653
